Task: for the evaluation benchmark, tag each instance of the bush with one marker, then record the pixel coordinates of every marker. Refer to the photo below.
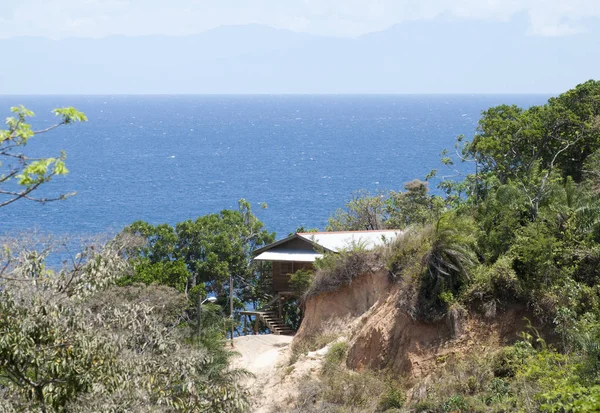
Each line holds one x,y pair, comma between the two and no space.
535,251
71,341
334,357
506,362
492,285
337,269
404,254
301,281
393,398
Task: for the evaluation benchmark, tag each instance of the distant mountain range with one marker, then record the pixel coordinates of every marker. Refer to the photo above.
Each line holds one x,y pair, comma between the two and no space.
436,56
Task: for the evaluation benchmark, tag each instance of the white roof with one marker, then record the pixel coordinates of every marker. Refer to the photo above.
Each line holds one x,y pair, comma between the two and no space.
344,240
288,255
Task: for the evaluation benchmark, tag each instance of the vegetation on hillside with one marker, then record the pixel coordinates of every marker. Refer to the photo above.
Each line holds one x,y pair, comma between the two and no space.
524,228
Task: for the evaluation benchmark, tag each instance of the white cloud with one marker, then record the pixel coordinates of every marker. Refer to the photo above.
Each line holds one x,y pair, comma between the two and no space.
97,18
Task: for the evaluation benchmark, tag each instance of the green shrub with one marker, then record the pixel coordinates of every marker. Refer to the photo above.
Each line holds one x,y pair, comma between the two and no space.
405,253
506,362
301,280
498,389
535,251
334,357
336,270
393,398
456,403
493,285
337,353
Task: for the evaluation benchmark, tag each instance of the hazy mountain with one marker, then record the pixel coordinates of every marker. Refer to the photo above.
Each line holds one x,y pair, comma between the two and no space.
437,56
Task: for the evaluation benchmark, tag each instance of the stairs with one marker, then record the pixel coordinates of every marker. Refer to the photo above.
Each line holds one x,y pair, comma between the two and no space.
274,323
270,318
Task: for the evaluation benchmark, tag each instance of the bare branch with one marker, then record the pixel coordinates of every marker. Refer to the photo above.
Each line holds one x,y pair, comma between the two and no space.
48,129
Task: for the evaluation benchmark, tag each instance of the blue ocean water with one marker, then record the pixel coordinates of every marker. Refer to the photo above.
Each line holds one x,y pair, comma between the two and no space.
171,158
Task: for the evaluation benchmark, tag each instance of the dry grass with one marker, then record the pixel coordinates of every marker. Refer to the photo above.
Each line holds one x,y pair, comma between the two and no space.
337,389
312,343
336,270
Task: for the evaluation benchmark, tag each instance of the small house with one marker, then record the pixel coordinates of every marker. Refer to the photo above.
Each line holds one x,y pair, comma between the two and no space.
298,252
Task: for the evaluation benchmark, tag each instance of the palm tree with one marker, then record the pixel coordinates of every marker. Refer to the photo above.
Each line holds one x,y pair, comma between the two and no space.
452,254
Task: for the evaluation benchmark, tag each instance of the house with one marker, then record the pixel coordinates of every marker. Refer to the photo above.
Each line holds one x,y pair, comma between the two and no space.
298,252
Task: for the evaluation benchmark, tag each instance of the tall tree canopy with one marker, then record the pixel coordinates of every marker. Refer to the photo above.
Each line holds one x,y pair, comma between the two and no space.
201,253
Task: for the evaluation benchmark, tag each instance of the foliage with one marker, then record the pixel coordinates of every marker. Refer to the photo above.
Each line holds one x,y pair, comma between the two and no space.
452,255
362,212
204,252
336,269
335,355
393,398
523,228
414,206
392,210
301,281
493,286
71,342
22,175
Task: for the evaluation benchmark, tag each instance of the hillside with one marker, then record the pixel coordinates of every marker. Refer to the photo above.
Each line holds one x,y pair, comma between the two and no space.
489,299
382,335
378,336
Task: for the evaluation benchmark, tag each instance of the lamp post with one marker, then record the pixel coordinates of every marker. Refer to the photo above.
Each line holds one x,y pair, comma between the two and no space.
200,302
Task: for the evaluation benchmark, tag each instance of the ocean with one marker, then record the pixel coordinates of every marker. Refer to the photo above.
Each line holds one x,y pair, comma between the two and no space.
165,159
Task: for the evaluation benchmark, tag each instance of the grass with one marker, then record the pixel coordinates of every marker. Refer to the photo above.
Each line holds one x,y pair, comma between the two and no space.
340,390
312,343
336,270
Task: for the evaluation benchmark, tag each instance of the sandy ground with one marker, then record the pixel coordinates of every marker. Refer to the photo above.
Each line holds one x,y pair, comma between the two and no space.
275,384
260,354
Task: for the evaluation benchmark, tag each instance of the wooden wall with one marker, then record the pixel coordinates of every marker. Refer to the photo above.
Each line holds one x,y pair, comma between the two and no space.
282,271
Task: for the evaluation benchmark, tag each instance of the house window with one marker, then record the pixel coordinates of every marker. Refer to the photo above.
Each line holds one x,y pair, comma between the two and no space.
287,268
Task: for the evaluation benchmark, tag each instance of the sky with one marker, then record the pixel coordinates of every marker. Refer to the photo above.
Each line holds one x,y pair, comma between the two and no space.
57,19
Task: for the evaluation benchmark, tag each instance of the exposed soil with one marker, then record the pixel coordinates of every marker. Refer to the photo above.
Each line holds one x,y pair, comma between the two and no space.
382,335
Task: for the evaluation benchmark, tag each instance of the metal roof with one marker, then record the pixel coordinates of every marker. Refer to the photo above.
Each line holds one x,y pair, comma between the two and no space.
334,241
288,255
345,240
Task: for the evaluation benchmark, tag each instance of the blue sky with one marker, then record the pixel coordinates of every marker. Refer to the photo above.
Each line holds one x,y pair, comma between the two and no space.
347,18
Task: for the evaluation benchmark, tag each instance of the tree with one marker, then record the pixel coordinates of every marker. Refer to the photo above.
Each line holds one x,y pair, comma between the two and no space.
531,148
363,212
70,341
202,253
393,210
414,206
21,175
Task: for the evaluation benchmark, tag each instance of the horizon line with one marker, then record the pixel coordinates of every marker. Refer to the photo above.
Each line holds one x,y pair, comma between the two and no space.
286,94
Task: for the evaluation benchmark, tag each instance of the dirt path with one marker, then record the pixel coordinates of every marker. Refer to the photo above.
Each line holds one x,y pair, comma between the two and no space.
262,355
275,383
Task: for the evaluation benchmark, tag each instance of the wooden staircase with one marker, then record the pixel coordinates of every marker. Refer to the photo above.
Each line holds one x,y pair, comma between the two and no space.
268,317
275,324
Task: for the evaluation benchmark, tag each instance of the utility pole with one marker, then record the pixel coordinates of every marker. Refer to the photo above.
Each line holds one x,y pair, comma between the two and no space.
199,317
231,305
